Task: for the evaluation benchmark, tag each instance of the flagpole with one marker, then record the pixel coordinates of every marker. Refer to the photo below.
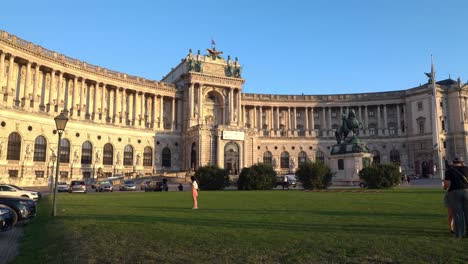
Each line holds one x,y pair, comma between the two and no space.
436,133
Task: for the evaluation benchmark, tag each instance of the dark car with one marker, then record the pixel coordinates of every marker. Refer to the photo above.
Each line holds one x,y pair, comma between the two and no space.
145,184
154,186
23,208
7,218
77,186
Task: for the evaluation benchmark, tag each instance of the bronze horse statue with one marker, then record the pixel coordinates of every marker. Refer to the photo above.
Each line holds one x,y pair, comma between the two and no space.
349,123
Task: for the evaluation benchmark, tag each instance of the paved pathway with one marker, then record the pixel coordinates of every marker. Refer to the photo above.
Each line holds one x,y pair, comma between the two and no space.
9,244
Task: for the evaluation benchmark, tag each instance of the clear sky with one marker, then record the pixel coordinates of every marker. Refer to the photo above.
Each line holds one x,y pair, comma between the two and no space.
285,47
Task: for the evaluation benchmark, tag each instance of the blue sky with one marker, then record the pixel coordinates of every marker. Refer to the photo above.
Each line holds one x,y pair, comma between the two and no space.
285,47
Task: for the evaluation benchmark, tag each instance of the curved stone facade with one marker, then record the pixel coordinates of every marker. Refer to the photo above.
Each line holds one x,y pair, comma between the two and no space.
196,115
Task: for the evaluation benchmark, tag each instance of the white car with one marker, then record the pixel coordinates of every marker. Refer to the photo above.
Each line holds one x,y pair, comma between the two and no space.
7,190
62,187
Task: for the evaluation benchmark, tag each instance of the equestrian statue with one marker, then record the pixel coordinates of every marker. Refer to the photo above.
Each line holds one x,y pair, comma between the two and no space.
349,124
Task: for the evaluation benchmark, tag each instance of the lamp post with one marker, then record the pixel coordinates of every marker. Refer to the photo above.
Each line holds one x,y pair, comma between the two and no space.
60,123
53,157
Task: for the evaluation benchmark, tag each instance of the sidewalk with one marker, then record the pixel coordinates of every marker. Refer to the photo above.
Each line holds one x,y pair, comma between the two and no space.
9,244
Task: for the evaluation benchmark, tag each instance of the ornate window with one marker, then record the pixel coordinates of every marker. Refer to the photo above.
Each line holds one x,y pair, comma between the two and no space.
64,152
395,156
108,155
166,157
267,158
128,155
302,158
40,146
14,146
284,160
421,121
86,153
148,156
319,156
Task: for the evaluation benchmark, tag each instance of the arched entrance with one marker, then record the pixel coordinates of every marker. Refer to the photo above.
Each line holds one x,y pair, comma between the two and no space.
231,158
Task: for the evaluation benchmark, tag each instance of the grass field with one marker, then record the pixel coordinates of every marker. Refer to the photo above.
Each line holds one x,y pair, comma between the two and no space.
393,226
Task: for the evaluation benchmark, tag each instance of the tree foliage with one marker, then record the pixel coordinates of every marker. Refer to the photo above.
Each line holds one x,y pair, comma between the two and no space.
381,176
211,177
257,177
316,175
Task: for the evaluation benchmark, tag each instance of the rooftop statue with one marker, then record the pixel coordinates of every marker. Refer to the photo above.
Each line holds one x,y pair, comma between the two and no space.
214,53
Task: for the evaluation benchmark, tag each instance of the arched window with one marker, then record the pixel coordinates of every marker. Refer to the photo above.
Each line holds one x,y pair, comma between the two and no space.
267,158
319,156
166,157
128,155
395,156
64,153
40,146
284,160
108,155
376,157
86,153
14,146
302,158
148,156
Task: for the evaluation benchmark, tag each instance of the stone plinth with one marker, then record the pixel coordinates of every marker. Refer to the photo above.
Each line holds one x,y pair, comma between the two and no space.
346,160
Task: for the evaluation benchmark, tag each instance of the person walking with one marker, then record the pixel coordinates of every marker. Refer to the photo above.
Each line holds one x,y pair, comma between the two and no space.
194,192
456,183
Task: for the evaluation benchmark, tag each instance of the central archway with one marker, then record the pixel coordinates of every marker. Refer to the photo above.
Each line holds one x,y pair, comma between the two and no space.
231,158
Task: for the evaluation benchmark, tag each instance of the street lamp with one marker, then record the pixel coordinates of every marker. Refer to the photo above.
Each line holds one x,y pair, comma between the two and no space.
60,123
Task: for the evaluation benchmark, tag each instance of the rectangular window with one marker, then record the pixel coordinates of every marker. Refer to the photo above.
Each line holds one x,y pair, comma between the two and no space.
371,113
371,131
392,131
13,173
420,106
340,164
333,114
316,114
63,174
39,174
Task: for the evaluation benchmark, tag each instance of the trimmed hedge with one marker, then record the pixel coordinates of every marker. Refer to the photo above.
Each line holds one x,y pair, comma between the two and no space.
315,175
257,177
211,177
381,176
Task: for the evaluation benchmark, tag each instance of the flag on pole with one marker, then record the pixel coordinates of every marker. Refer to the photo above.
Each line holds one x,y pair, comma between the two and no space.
213,43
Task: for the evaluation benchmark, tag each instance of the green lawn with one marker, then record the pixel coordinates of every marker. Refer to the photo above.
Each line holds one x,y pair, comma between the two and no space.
393,226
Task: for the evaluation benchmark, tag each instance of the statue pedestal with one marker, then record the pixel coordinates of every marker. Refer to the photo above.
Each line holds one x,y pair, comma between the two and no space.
346,160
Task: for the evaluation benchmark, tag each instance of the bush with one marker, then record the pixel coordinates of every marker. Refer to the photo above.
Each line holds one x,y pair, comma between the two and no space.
211,177
257,177
315,175
381,176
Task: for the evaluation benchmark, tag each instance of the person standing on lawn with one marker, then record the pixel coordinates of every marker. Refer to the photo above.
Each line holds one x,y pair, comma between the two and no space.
456,183
194,192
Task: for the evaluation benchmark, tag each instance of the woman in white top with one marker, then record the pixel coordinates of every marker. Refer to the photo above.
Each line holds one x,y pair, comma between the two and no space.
194,192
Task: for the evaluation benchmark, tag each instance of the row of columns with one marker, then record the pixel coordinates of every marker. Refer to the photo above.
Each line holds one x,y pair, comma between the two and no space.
258,117
51,90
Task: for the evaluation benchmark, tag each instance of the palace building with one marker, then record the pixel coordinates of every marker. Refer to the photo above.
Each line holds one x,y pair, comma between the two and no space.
198,115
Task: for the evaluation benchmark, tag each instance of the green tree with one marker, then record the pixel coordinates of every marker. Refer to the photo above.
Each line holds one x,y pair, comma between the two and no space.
257,177
381,176
315,175
211,177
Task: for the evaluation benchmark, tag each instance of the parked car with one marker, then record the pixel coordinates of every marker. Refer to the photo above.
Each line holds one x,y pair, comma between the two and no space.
290,181
127,185
23,208
7,218
144,184
39,194
104,186
62,187
8,190
154,186
77,186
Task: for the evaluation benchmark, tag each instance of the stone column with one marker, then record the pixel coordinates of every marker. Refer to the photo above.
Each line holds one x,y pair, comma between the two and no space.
260,118
295,119
289,119
385,120
398,126
137,108
118,105
153,110
124,113
50,105
329,128
27,91
254,119
36,89
112,102
81,109
379,126
95,115
312,121
191,88
366,120
161,111
74,98
58,103
200,103
142,109
360,118
277,118
90,101
131,107
306,112
103,103
173,113
324,122
231,102
2,72
9,92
